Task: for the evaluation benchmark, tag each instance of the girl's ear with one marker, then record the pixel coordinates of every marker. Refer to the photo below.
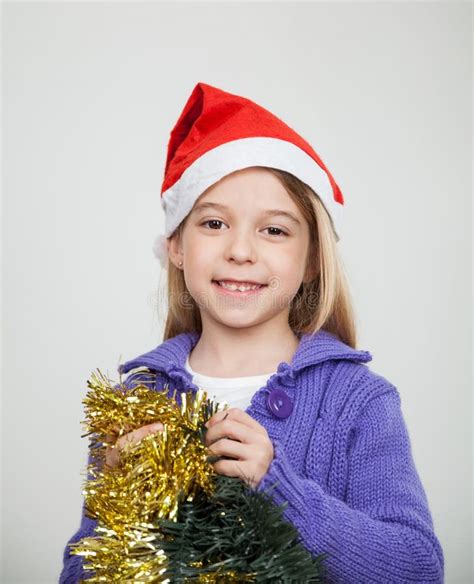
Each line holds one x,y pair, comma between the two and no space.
174,249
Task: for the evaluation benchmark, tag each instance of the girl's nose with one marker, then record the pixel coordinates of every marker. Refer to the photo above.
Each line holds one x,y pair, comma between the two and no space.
241,247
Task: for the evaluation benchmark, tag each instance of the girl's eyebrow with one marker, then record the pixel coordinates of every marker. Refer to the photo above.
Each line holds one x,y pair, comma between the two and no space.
266,213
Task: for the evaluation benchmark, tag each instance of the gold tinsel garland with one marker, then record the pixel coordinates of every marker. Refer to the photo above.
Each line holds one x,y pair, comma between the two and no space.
153,476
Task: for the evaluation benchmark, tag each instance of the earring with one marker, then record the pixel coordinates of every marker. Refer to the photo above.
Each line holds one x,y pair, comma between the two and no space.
180,263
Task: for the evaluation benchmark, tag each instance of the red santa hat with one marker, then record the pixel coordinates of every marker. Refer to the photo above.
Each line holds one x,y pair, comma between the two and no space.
218,133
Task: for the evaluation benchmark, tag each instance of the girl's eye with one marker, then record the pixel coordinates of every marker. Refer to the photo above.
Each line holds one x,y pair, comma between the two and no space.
278,229
212,221
281,232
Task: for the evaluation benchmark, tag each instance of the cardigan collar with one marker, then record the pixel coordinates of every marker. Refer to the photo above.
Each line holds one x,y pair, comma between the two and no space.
170,356
281,387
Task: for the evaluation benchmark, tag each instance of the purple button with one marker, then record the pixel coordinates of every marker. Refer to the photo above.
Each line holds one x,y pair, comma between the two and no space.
279,403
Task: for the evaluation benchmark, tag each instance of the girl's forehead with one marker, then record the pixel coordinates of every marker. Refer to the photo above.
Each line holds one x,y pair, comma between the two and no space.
249,186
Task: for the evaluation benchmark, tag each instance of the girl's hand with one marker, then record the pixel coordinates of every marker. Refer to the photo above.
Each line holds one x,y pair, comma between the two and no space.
112,455
236,434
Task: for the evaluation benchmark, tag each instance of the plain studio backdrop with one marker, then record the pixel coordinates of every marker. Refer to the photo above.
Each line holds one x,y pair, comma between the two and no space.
90,94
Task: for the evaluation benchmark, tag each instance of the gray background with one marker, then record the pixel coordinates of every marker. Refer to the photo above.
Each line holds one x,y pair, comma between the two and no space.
90,94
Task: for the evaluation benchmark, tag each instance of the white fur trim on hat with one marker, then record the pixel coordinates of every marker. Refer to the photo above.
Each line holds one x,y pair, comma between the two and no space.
178,200
160,250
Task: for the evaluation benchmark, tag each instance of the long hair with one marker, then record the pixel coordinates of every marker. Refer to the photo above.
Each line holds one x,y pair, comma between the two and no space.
323,303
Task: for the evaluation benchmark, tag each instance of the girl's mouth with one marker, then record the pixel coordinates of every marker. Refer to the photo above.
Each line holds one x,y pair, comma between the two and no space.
237,293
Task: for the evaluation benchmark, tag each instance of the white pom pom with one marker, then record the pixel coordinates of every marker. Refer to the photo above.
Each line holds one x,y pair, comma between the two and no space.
160,250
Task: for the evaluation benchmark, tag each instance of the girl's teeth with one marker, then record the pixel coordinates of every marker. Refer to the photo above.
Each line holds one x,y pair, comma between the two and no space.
234,287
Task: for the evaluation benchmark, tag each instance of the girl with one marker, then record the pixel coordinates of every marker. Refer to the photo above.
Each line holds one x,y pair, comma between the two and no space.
260,316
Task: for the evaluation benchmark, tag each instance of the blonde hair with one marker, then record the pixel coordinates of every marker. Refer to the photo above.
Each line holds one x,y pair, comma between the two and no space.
322,303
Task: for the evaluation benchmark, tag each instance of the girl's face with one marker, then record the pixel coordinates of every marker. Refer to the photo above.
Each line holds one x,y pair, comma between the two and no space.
234,233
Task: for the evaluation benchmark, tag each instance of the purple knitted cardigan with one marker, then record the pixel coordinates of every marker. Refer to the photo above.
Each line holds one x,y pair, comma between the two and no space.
343,462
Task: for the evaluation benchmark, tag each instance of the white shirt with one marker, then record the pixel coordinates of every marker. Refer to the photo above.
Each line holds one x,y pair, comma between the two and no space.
235,391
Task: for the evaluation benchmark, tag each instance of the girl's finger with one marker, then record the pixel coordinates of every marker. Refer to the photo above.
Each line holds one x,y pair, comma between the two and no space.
229,468
217,417
230,448
238,415
139,434
232,429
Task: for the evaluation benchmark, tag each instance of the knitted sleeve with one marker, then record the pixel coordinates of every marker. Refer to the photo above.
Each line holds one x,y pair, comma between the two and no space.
72,565
383,530
72,570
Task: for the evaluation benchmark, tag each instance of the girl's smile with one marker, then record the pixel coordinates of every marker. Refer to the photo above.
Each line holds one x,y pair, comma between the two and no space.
238,290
